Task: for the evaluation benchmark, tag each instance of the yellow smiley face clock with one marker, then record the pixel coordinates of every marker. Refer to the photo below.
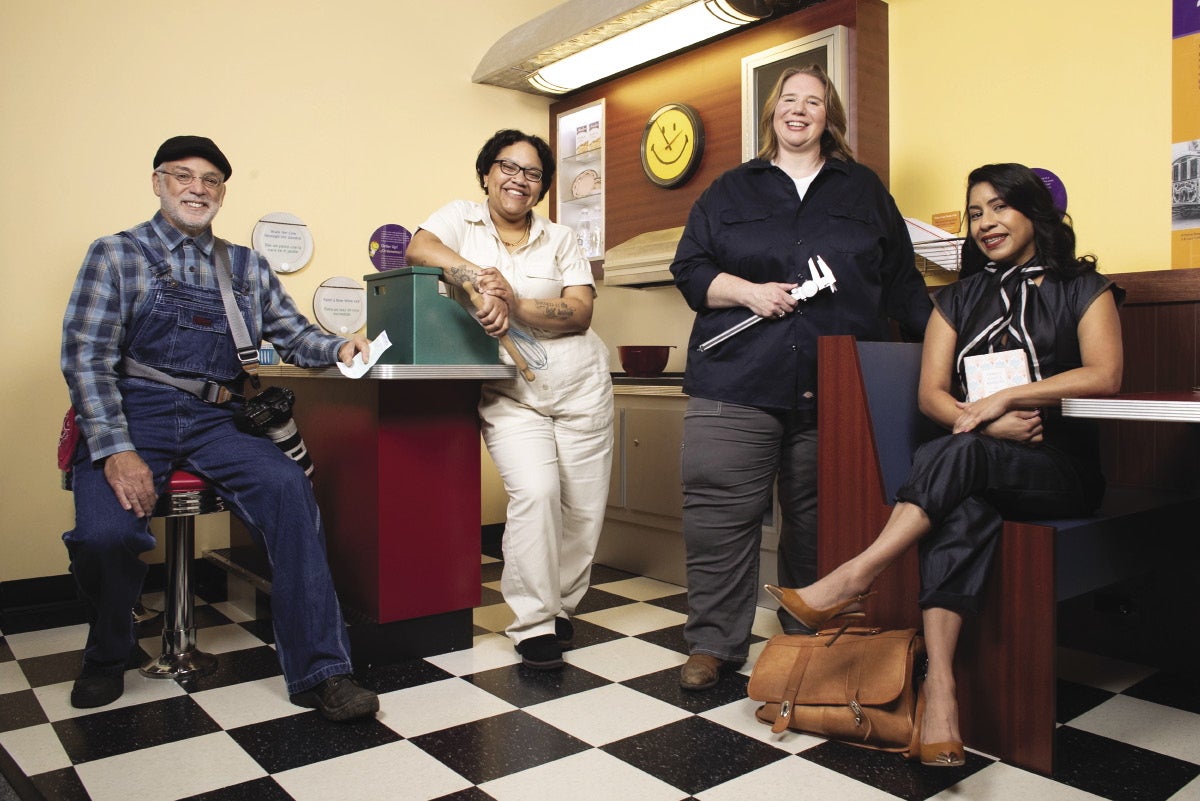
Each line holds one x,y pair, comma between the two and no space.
672,145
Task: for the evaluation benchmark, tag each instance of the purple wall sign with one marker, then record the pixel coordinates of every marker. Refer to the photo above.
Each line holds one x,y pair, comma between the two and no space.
1058,192
388,245
1187,18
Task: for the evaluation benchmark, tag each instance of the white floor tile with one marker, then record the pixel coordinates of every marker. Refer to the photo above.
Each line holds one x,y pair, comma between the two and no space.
766,623
1189,792
636,618
173,770
233,612
484,559
493,617
489,651
436,706
56,698
47,641
641,588
586,776
1093,670
1164,729
492,585
790,774
35,749
213,639
1000,782
12,678
618,660
607,714
247,702
393,772
739,716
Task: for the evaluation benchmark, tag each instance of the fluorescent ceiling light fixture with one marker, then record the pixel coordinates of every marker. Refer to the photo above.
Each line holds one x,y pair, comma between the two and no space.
658,37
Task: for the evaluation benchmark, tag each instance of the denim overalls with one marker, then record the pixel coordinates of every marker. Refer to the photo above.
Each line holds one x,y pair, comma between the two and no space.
182,329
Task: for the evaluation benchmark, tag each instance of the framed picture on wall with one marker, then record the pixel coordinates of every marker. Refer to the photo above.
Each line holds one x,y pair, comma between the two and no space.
760,71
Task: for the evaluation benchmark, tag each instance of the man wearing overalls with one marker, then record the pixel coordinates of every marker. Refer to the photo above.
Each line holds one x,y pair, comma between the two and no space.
151,297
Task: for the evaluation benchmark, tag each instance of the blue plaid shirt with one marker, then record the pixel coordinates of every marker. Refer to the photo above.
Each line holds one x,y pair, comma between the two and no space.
113,288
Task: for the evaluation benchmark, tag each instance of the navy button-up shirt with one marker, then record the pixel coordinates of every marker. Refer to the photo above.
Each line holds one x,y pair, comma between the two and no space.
752,223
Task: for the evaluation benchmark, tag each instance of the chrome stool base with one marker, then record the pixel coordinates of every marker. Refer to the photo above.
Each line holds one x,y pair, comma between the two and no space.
185,497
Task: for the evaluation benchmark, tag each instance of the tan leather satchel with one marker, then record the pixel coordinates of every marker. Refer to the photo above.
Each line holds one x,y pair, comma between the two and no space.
859,688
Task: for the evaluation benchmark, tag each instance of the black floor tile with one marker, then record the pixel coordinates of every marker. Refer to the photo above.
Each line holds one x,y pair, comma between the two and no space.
290,742
670,637
41,671
235,667
676,603
522,686
603,574
587,633
1178,690
498,746
469,794
1116,770
890,772
6,654
595,600
489,597
20,709
119,731
1075,699
262,629
694,754
264,789
400,676
491,572
664,685
60,785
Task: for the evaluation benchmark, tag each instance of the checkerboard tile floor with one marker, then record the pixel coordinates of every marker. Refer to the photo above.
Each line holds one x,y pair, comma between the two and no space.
474,725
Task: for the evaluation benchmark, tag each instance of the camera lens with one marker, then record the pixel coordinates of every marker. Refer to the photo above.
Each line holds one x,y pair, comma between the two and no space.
287,437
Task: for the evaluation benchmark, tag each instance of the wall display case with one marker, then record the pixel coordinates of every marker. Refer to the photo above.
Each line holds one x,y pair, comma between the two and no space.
579,191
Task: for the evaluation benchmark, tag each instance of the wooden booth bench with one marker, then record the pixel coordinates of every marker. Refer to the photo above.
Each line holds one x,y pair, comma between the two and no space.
869,425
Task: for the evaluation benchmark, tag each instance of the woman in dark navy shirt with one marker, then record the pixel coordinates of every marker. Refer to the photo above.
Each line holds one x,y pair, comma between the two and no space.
1024,299
752,238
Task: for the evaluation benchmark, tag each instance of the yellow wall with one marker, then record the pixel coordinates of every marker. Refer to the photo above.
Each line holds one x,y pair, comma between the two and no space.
349,115
1079,87
352,115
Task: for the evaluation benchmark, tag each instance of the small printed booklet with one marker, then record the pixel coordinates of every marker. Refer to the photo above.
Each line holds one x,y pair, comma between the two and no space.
988,373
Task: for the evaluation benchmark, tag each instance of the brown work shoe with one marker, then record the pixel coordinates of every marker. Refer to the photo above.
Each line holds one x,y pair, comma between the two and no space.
700,672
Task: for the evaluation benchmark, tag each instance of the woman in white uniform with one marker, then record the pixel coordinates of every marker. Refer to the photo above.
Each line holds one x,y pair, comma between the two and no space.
550,438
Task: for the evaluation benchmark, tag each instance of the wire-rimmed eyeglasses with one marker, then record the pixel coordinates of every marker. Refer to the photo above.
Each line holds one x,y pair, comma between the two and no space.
185,178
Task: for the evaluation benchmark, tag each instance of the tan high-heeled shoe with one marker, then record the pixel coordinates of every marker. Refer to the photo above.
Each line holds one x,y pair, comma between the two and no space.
947,754
816,619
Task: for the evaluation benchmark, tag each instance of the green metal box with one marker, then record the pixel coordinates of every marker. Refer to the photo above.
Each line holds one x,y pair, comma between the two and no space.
425,326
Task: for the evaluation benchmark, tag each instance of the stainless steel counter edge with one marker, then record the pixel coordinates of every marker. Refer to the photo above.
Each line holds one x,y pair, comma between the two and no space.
395,372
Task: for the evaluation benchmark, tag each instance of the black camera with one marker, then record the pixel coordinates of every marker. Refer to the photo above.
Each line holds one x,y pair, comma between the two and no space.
269,414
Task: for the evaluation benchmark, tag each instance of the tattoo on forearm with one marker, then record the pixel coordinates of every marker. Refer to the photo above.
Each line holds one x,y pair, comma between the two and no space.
554,309
461,274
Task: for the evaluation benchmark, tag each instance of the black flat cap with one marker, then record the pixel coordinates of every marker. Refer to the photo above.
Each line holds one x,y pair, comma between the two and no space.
182,147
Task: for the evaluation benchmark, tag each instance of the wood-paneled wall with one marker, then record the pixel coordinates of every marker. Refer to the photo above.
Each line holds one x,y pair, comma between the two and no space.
1160,324
709,79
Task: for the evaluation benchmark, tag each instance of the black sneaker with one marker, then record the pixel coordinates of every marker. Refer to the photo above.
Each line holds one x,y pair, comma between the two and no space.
564,632
94,688
541,653
339,698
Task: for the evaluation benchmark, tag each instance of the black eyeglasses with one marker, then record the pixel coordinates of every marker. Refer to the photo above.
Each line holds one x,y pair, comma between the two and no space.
512,168
185,178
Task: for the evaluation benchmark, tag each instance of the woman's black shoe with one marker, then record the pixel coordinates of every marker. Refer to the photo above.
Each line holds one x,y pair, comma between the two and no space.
541,653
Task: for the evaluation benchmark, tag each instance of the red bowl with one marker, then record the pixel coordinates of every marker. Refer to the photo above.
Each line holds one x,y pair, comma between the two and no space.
644,361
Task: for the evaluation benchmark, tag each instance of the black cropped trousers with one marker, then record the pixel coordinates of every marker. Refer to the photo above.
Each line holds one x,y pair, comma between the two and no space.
967,484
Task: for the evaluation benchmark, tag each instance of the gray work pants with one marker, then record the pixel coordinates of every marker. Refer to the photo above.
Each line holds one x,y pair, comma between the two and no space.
731,458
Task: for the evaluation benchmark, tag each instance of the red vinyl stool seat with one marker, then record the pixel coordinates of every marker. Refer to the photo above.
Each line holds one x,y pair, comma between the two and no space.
184,497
